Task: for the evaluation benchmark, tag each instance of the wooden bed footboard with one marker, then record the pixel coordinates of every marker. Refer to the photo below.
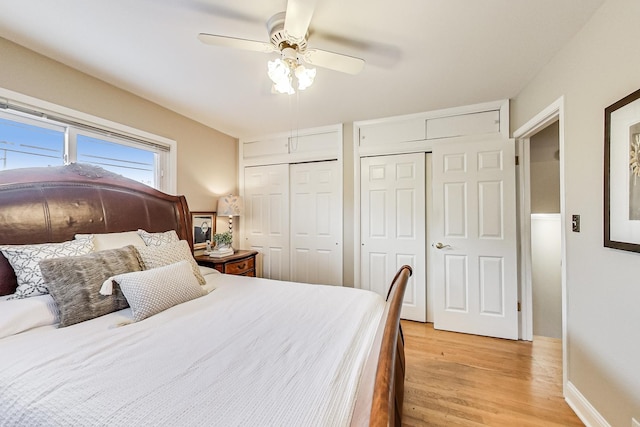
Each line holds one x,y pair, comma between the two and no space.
381,392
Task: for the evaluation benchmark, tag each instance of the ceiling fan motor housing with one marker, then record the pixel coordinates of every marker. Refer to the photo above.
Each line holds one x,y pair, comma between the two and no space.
279,37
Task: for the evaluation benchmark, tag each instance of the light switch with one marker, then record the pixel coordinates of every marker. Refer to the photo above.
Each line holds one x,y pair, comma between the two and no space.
575,223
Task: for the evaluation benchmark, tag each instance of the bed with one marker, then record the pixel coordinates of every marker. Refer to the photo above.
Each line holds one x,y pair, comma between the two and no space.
232,351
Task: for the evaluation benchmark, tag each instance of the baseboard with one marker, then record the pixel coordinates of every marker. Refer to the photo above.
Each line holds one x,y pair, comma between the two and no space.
583,409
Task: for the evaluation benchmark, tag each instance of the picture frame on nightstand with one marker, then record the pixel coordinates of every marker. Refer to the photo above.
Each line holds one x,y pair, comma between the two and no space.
203,228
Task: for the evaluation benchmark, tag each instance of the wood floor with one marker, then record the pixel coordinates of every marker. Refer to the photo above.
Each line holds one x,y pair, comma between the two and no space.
465,380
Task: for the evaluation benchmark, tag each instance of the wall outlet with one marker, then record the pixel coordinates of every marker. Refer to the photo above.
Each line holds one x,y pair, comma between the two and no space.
635,423
575,224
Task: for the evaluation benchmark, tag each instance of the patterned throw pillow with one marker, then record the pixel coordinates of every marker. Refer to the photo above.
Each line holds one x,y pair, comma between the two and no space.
159,256
74,283
158,239
25,258
151,291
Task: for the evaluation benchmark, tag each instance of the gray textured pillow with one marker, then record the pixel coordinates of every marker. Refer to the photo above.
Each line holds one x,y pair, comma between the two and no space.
74,283
170,253
151,291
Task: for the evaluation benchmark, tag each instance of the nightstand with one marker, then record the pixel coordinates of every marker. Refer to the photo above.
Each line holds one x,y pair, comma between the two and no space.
241,263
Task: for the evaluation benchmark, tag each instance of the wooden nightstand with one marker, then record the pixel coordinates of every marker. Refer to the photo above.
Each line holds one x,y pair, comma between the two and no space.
241,263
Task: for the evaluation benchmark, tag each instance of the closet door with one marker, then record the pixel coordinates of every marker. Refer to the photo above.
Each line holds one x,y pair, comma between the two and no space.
475,274
316,223
392,191
266,220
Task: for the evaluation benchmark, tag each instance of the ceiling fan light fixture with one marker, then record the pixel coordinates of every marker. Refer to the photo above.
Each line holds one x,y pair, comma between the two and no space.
280,74
288,34
305,76
283,86
282,71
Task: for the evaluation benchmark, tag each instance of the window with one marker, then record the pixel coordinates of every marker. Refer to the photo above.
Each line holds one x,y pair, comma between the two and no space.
123,159
27,143
30,138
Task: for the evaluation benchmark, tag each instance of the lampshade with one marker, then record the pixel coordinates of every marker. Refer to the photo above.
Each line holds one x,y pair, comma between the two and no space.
230,205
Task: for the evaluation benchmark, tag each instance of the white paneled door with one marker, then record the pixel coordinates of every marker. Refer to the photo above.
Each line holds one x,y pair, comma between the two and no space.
316,223
266,219
393,226
473,233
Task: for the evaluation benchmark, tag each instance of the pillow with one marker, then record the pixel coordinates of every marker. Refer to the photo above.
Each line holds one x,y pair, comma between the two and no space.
106,241
74,283
157,239
159,256
8,281
25,258
19,315
151,291
204,270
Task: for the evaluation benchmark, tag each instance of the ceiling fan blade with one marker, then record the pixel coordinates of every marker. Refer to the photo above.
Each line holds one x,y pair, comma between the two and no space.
298,18
236,43
334,61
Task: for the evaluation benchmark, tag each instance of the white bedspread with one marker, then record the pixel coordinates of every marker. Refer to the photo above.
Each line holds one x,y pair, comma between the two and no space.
253,352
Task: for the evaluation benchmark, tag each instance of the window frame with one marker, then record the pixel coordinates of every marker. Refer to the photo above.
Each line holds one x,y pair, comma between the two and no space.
46,114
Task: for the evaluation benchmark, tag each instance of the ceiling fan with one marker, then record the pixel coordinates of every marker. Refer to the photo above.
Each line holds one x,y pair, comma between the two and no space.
288,33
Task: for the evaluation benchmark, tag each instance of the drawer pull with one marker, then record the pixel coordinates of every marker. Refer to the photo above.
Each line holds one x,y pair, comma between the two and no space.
241,266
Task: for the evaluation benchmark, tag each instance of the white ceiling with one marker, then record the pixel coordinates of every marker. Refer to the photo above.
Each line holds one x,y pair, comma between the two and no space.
421,54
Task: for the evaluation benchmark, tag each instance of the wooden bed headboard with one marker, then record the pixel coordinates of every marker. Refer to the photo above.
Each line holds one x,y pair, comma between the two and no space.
52,204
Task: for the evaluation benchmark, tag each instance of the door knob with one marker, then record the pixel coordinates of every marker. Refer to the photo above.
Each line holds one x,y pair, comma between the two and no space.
440,245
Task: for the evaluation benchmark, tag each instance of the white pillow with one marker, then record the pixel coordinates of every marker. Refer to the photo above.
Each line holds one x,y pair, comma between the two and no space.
204,270
159,256
151,291
19,315
211,276
158,239
25,258
105,241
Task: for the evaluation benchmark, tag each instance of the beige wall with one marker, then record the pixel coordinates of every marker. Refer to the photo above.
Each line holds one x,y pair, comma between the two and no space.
207,159
598,67
545,171
546,275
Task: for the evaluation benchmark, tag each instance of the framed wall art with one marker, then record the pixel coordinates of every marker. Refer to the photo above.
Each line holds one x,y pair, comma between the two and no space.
204,227
622,174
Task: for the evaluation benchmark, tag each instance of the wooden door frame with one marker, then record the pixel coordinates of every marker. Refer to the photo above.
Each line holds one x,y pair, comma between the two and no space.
551,114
